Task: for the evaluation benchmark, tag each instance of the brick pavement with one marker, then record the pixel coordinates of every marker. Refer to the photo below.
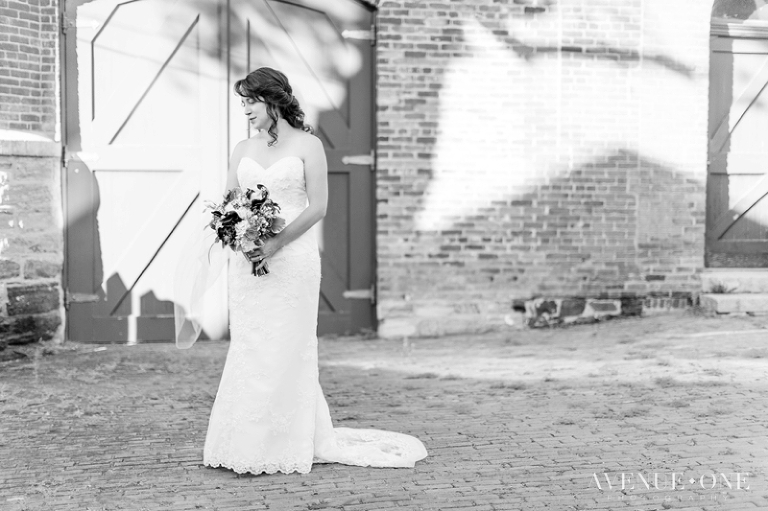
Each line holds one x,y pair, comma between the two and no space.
515,420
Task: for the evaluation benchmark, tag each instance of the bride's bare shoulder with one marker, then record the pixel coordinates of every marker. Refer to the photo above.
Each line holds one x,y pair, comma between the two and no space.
310,142
241,146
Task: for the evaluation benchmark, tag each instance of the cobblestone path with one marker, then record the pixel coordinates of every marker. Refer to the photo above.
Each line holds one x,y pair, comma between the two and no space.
521,420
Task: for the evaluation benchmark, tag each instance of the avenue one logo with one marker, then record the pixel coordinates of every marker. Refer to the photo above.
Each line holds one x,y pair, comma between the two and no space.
671,481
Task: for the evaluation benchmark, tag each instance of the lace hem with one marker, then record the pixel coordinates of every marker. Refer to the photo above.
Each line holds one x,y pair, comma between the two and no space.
287,467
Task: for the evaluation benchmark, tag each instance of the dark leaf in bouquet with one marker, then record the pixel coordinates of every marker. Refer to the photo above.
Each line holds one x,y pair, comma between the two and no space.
230,195
252,195
258,198
222,234
230,219
217,214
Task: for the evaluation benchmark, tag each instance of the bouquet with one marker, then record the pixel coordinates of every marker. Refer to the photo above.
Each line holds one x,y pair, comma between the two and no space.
244,220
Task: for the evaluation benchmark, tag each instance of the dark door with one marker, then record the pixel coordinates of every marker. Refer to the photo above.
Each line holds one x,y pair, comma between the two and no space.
325,49
148,107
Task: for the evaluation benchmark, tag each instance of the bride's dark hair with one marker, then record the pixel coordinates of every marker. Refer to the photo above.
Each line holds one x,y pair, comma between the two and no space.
272,87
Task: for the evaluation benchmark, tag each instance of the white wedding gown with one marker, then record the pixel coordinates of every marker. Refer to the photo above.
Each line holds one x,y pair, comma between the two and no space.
270,413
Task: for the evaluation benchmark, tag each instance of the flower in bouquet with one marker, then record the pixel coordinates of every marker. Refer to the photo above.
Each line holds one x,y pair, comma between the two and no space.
245,219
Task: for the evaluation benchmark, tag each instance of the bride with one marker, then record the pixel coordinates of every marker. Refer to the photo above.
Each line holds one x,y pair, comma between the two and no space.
270,414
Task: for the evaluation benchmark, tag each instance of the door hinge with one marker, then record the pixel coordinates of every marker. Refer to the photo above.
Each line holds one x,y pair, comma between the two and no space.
361,159
81,156
65,23
361,294
70,298
365,35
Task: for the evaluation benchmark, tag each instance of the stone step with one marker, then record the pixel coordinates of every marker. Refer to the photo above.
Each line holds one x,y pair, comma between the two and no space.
735,302
735,281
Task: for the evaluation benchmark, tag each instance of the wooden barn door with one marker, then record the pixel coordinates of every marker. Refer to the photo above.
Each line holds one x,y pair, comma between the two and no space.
737,184
143,104
150,123
326,50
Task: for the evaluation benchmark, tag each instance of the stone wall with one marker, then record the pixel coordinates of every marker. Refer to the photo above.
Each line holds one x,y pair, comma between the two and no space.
531,148
31,229
31,239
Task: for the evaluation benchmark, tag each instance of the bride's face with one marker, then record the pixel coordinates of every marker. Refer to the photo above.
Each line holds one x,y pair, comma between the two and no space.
256,112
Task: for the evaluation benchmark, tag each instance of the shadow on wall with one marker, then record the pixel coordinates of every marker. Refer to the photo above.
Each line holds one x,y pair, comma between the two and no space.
551,195
618,225
597,49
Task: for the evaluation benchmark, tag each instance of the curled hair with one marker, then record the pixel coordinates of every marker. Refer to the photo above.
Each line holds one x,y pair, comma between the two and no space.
272,87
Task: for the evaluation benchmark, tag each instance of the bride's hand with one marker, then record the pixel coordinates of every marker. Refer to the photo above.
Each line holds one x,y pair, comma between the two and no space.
264,252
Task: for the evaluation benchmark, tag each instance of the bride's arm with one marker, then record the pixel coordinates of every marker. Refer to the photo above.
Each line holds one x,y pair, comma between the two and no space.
316,178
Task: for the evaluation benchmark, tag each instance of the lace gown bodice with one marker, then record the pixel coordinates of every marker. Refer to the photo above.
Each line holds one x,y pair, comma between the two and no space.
284,179
270,413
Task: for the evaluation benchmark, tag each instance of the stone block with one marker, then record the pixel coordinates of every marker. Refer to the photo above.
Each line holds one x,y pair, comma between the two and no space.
631,306
391,307
541,307
558,311
35,221
27,146
31,328
433,311
397,327
28,197
597,308
40,170
32,298
735,281
735,303
572,306
9,269
665,303
36,243
41,269
436,327
542,311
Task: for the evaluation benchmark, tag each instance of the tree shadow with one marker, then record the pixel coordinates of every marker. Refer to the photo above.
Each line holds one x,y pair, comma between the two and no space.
619,225
594,50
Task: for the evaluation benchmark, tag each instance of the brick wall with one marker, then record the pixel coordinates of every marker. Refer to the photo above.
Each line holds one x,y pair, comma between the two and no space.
31,233
536,148
28,39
